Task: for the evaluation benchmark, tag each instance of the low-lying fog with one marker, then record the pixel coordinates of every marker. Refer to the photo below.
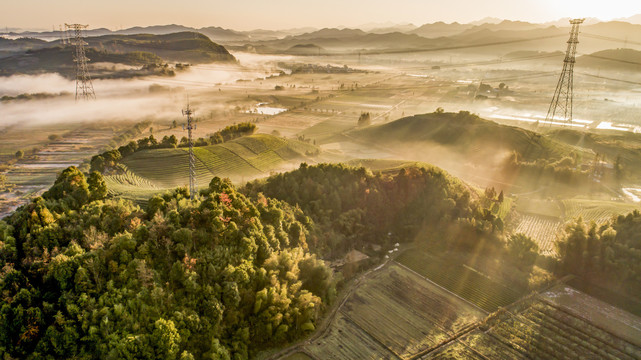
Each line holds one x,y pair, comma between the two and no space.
122,99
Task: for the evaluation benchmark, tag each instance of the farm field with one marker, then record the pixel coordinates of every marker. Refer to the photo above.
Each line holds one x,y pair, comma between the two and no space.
541,329
541,229
548,208
478,289
35,172
395,314
543,220
131,186
298,356
551,326
612,319
596,210
240,159
345,340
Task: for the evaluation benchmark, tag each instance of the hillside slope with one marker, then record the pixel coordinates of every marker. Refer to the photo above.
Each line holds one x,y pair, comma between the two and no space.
464,133
134,50
239,159
184,46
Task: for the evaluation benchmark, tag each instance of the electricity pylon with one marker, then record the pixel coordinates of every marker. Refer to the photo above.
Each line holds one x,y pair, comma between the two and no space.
561,104
192,160
84,87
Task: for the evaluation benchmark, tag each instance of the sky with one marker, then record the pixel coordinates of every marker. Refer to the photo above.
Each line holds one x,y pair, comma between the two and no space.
284,14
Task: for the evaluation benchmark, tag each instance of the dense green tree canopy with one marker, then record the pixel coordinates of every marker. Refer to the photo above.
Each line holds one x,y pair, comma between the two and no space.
352,207
609,254
219,277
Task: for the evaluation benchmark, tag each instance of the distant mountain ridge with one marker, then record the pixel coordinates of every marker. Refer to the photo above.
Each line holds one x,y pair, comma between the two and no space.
429,30
142,50
497,33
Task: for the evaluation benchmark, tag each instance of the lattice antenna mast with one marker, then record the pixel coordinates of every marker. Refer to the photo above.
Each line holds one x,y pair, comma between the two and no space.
84,87
561,105
192,160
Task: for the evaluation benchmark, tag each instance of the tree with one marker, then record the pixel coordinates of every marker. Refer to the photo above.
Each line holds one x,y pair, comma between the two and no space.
97,186
364,119
169,141
97,163
4,183
173,141
19,154
618,168
523,251
70,187
165,339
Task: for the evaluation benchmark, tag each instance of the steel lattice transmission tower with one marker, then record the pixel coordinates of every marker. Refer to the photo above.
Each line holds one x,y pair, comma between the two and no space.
192,160
84,87
561,105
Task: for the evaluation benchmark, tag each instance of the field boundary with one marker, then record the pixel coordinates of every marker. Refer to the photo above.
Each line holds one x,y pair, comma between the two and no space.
442,288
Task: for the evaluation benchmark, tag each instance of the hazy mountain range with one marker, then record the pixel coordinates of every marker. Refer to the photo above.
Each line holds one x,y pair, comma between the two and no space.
488,37
429,30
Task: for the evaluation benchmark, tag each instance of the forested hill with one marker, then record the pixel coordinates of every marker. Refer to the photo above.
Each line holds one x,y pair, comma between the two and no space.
186,46
134,50
219,277
353,207
216,278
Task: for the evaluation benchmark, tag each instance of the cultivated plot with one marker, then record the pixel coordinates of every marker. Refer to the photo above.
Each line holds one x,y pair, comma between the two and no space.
394,314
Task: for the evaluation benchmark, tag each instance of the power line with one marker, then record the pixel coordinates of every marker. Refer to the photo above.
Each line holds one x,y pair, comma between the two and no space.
602,37
611,59
499,61
609,78
84,87
563,95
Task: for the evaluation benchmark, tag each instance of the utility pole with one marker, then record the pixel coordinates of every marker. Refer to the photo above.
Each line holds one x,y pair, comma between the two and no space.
561,104
84,87
192,160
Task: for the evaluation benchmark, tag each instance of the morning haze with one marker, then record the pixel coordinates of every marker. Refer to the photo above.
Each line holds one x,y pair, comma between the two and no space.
320,180
282,14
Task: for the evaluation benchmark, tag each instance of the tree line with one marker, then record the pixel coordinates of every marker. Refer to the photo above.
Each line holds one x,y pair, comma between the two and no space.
608,254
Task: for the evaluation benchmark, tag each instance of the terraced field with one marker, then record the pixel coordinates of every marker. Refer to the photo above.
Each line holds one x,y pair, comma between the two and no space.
166,167
544,328
395,314
239,159
463,281
131,186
